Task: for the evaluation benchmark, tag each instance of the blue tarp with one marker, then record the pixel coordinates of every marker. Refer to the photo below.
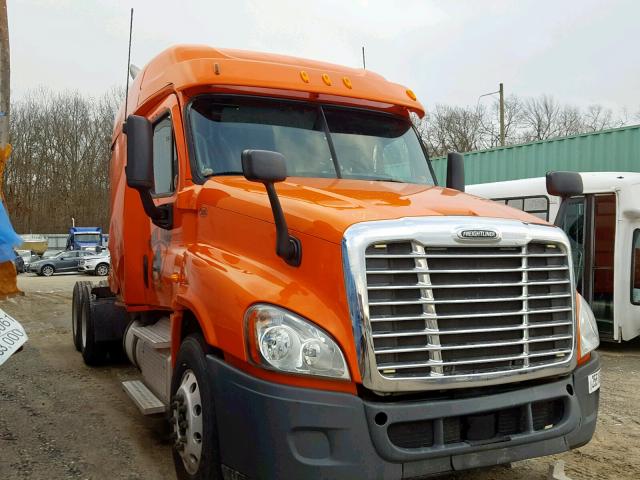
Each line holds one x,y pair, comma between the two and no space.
9,239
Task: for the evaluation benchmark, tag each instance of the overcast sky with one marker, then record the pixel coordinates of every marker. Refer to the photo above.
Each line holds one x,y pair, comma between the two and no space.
579,51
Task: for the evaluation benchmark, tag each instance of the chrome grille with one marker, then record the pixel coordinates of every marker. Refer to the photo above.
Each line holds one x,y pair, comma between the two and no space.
467,310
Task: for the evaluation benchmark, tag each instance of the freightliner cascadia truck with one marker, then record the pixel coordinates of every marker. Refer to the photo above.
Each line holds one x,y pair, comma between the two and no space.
302,299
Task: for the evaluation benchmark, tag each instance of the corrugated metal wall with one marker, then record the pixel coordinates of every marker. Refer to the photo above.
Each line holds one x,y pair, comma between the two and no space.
616,150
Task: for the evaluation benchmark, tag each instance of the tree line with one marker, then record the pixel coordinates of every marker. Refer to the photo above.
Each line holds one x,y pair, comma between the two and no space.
447,128
59,166
61,141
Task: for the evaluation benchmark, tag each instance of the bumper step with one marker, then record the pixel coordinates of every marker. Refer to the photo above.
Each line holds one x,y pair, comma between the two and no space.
144,398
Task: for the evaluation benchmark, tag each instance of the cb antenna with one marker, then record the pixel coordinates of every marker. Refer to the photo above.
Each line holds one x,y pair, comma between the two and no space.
364,62
126,94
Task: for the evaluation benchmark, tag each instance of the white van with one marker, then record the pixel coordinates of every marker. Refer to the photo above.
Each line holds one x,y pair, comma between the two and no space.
603,225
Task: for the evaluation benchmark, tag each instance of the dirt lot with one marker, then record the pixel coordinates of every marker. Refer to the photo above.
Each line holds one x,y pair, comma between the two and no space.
60,419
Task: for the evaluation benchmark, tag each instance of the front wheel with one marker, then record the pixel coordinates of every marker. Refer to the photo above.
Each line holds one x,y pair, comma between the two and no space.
47,270
193,418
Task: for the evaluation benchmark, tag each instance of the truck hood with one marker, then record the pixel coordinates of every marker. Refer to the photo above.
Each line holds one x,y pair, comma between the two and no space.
325,208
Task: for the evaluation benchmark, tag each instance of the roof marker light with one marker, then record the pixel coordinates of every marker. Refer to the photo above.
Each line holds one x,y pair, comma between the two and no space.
326,79
411,95
304,76
347,82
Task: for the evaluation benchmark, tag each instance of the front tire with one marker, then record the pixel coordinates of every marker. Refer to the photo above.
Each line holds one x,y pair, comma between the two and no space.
193,417
47,270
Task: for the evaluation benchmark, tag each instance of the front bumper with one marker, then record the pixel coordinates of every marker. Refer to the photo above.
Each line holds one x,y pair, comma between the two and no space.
271,431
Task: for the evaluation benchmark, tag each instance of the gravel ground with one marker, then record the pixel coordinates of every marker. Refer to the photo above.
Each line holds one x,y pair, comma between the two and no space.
60,419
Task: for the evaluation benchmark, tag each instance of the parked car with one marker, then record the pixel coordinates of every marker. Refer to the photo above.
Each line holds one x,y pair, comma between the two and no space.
95,264
28,257
18,261
62,262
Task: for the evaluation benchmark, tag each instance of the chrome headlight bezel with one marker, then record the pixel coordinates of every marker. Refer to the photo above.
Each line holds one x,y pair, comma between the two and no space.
305,343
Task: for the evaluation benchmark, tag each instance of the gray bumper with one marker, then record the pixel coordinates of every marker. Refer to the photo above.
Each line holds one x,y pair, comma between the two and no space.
271,431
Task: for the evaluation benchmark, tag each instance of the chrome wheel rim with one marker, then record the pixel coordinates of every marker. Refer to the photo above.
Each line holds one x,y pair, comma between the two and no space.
47,271
187,422
102,270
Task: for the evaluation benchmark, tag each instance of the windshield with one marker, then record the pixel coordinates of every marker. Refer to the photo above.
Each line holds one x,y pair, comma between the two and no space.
87,237
317,141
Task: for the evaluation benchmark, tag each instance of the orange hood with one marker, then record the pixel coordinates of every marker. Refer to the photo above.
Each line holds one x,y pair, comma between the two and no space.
325,208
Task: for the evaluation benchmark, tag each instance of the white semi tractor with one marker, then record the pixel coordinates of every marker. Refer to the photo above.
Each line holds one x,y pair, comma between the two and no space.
603,225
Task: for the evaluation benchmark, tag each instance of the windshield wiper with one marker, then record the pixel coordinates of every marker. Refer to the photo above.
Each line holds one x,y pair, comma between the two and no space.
394,180
215,174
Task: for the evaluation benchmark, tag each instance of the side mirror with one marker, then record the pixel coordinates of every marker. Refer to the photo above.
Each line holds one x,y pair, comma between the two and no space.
264,166
564,184
455,171
139,169
269,167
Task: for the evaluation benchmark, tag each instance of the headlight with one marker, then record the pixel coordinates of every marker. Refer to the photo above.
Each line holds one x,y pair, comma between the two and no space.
589,337
282,340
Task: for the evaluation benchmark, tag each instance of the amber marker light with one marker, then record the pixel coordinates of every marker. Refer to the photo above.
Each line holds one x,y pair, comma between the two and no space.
411,95
304,76
347,82
326,79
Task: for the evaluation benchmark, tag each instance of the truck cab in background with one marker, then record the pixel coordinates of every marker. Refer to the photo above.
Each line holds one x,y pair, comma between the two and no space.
301,298
84,238
603,226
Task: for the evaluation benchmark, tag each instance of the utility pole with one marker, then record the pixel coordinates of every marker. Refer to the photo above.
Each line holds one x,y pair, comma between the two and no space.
501,102
501,114
5,76
8,275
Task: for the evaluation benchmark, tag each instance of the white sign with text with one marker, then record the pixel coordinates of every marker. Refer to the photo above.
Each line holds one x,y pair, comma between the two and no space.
12,336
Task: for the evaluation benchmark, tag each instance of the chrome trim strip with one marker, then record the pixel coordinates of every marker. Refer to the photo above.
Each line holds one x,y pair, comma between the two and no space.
473,361
479,270
475,285
441,231
435,255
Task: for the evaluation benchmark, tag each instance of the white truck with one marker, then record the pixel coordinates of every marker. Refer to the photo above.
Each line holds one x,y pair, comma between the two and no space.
603,225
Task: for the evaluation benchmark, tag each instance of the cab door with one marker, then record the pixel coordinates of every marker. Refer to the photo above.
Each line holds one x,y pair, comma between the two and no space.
68,261
160,260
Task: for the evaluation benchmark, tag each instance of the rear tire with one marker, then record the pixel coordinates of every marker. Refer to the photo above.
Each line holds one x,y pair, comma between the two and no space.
80,290
93,353
190,367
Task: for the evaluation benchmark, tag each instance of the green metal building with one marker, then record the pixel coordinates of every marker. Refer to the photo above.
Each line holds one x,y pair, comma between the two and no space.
616,150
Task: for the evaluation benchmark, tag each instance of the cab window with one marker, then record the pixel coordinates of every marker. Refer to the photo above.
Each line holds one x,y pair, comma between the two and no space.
573,223
164,158
535,205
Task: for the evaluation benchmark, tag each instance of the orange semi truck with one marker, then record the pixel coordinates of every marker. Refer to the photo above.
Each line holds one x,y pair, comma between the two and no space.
304,301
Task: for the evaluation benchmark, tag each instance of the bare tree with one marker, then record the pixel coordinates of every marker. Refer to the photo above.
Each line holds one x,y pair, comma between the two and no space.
539,118
60,161
447,128
452,128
